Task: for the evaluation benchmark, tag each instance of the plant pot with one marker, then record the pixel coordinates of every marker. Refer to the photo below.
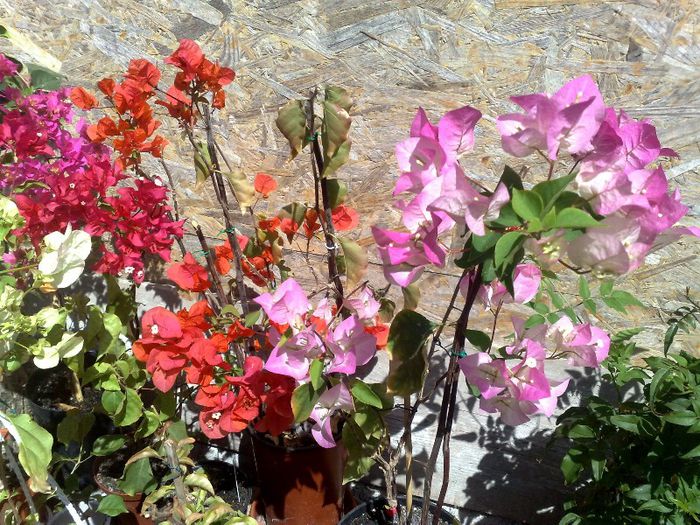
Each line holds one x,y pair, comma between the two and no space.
299,486
105,480
229,483
370,514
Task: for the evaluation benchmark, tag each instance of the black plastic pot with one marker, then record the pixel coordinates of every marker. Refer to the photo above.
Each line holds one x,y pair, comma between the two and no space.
229,483
371,513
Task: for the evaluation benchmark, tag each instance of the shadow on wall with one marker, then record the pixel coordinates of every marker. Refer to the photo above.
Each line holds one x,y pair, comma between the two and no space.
500,475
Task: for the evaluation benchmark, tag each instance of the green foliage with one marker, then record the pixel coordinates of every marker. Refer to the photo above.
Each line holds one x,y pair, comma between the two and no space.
291,121
637,461
685,319
407,353
35,445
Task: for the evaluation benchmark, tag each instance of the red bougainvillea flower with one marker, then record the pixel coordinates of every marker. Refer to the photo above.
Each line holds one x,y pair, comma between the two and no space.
264,184
189,274
311,223
196,316
83,99
345,218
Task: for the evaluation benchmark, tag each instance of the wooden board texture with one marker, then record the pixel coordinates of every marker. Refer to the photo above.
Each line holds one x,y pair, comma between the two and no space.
393,56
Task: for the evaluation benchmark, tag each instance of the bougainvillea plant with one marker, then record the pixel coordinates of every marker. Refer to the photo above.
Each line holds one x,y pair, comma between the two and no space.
600,208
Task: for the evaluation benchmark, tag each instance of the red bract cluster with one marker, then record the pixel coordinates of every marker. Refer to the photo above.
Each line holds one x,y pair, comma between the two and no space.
172,344
198,77
132,132
257,394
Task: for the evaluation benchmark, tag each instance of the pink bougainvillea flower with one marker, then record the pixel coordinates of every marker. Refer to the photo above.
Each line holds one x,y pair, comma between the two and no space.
286,305
585,345
363,304
456,131
405,255
293,357
485,373
351,346
334,399
568,120
526,283
513,411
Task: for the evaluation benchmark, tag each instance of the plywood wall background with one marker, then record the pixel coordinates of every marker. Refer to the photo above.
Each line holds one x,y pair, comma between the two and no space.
392,56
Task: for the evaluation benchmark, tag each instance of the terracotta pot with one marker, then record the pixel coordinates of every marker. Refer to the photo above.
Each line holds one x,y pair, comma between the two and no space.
300,486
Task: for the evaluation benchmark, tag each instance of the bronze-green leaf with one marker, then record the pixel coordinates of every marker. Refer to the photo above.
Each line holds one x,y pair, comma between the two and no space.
242,188
291,121
356,261
407,352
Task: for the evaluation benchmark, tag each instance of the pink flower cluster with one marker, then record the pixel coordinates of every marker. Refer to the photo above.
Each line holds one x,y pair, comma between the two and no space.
617,161
60,177
301,335
520,390
440,195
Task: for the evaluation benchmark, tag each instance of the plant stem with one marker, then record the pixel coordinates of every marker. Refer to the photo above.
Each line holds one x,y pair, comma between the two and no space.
75,386
18,268
328,228
220,293
408,453
448,400
180,493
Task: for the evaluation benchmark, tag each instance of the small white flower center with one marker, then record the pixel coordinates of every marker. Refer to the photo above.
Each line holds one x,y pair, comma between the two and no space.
216,415
154,329
71,185
531,362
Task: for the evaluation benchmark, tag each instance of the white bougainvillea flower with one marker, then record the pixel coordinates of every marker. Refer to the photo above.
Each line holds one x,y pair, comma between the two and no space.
70,345
63,257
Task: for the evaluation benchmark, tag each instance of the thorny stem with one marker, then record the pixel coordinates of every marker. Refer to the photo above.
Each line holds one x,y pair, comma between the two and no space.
448,402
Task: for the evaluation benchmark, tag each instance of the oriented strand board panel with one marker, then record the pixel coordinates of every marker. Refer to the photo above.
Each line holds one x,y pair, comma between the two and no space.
393,56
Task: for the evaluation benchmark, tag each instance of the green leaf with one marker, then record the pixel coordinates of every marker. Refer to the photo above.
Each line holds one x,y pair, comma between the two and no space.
534,320
583,290
292,122
113,402
407,353
606,287
506,246
580,432
131,409
363,393
200,481
627,422
106,445
341,157
75,426
137,477
411,296
683,418
335,130
112,505
570,468
202,166
316,373
44,78
527,204
356,261
479,339
625,298
669,336
574,218
550,190
35,444
337,191
598,468
625,335
304,399
149,424
242,188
